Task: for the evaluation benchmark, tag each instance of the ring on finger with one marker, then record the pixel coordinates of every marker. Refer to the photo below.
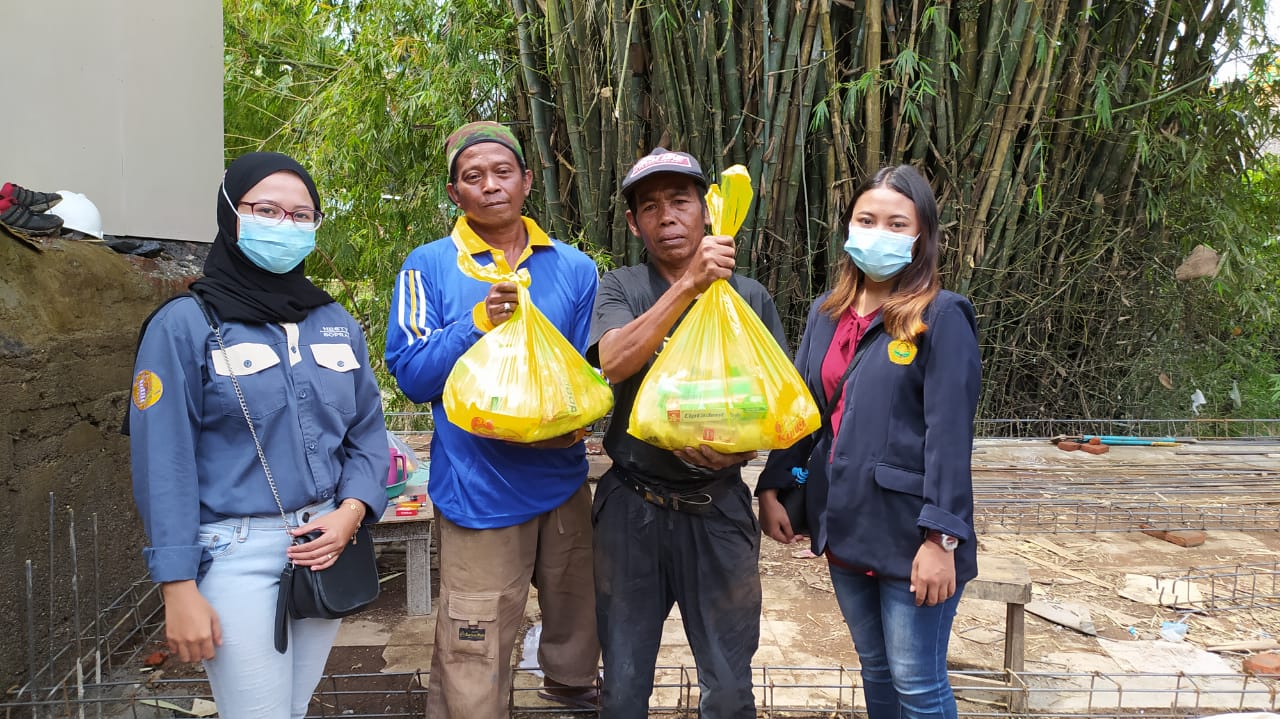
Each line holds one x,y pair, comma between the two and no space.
506,306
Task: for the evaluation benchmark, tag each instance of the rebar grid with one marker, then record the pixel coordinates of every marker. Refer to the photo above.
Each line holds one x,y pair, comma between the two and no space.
109,639
1228,587
1187,428
780,692
1047,516
120,633
87,676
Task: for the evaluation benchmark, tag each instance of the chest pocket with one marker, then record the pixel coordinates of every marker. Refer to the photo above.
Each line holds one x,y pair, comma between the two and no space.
336,376
255,366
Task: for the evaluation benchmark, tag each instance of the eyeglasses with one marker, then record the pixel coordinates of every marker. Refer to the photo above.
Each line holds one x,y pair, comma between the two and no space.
271,213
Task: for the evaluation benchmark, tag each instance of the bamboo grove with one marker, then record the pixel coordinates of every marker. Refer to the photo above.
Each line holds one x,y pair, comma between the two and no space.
1055,133
1079,150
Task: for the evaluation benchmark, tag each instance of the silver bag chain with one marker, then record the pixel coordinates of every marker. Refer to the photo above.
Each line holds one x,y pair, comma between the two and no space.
262,457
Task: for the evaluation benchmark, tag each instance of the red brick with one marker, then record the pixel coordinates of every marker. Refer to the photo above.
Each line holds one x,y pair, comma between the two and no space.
1266,664
1157,533
1095,440
1184,537
1095,448
1066,446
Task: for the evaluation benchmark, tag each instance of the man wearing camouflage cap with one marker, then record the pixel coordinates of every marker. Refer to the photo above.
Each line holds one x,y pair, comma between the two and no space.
671,527
508,513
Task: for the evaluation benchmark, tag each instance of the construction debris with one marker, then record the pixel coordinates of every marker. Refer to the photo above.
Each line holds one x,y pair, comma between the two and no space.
1071,616
1160,592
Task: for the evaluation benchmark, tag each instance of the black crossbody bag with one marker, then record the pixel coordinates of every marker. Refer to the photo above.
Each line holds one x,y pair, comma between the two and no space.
349,585
794,498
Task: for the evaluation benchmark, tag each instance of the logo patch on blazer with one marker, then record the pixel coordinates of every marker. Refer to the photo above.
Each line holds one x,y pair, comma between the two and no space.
147,389
902,352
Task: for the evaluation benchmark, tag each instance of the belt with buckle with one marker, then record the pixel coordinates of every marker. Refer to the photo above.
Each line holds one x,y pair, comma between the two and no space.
690,502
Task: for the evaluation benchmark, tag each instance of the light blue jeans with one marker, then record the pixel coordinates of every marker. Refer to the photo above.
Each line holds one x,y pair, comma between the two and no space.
250,679
902,647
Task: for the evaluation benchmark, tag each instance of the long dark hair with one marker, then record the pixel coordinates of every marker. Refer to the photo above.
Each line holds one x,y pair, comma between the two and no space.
915,286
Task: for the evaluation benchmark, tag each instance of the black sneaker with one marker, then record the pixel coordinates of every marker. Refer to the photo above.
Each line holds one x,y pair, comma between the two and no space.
30,199
26,224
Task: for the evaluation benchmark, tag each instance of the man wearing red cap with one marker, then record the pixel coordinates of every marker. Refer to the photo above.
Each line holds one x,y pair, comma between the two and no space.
508,513
671,527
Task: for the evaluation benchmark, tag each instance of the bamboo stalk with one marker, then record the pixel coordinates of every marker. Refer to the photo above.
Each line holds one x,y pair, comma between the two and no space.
711,73
732,113
538,102
984,82
968,11
897,146
830,66
873,118
564,58
943,100
995,166
792,167
786,118
666,84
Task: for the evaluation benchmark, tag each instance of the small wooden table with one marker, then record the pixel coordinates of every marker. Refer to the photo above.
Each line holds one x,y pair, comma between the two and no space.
1003,579
415,532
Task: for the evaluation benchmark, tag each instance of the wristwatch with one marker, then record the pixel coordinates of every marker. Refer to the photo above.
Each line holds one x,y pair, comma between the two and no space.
946,541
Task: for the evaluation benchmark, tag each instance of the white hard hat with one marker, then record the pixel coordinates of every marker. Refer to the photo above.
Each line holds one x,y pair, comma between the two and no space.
78,213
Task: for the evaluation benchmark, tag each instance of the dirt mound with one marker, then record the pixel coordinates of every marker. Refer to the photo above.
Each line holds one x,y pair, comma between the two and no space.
69,319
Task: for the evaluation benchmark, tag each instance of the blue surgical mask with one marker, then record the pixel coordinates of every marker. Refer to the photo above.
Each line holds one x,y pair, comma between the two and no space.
880,254
275,247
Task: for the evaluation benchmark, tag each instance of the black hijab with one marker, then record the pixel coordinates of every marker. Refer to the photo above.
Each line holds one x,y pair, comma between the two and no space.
232,285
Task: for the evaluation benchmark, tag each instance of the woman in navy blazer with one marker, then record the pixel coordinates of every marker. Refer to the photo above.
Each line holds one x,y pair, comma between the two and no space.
889,498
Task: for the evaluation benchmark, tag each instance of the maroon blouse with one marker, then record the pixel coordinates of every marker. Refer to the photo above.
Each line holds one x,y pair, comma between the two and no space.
849,330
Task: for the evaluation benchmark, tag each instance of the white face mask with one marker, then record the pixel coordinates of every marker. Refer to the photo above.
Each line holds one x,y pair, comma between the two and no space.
880,254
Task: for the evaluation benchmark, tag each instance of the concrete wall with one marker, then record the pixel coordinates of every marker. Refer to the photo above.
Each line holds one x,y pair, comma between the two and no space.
120,100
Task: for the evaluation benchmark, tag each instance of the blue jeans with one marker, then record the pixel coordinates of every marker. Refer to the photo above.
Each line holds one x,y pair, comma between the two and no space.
250,679
902,647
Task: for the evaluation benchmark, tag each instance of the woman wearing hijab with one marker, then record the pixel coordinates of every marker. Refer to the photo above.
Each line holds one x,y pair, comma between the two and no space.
217,540
890,498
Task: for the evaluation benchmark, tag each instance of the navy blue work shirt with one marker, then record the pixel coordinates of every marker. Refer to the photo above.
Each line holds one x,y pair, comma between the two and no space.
315,406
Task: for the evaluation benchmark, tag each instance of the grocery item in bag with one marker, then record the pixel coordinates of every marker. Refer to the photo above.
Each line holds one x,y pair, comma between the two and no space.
722,380
523,381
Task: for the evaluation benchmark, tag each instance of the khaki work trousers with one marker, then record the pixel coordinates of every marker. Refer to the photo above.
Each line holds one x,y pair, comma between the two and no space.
484,587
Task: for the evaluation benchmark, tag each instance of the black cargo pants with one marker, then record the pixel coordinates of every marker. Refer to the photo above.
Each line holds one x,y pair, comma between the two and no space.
648,558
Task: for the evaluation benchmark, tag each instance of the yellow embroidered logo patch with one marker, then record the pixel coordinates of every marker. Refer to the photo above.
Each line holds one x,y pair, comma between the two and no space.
147,389
902,352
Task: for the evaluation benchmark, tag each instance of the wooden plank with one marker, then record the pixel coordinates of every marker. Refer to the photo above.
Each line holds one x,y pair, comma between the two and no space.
1049,545
1014,636
1000,579
1255,645
1064,570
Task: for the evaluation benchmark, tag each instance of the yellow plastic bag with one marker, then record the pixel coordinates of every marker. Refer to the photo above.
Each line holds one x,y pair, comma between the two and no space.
722,380
523,381
728,202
